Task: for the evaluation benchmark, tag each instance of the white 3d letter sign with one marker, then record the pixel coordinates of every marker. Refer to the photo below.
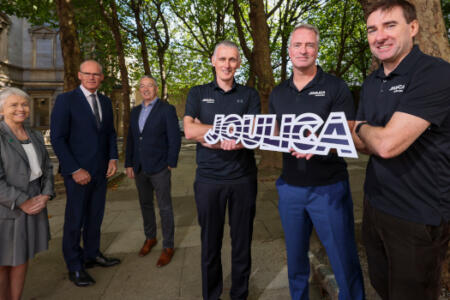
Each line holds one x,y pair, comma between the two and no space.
296,132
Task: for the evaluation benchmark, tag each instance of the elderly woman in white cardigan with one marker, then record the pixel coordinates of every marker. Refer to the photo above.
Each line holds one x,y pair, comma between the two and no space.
26,184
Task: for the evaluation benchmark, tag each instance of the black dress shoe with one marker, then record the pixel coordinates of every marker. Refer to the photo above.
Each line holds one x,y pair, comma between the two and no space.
101,261
81,278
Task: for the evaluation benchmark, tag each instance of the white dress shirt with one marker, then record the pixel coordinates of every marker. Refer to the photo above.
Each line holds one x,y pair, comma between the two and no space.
87,94
36,170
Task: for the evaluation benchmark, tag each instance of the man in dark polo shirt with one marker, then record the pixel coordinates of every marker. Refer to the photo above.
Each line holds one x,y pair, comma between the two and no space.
314,190
226,173
404,124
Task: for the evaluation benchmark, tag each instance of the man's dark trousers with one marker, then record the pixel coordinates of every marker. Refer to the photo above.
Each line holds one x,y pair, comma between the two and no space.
211,200
159,183
84,214
394,272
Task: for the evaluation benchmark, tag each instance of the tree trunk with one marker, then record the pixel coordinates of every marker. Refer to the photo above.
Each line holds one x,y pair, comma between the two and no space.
144,52
140,34
284,57
112,20
432,37
162,74
251,80
261,52
162,44
262,67
70,47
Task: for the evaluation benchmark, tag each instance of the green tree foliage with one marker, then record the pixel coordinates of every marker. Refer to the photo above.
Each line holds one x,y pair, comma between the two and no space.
196,26
282,22
343,45
207,23
37,12
94,36
446,13
97,42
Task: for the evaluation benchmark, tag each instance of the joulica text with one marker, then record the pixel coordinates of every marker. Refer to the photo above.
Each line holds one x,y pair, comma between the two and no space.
303,133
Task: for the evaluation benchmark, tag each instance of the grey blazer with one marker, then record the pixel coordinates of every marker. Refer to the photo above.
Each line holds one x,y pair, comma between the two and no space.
15,171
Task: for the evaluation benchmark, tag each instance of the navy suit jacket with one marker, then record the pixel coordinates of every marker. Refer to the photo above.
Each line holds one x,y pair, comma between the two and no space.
158,145
75,138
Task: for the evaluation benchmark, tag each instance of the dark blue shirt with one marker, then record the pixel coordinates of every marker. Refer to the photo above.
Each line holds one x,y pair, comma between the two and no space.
416,184
215,165
322,95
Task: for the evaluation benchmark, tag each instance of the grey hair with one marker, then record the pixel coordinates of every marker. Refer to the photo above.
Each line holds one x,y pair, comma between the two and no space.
94,61
229,44
305,26
149,77
10,91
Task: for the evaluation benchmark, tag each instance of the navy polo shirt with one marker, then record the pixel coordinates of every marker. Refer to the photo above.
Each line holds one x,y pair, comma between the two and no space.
322,95
215,165
415,185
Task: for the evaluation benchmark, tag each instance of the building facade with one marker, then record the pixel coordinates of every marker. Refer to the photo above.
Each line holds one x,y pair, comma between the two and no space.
31,59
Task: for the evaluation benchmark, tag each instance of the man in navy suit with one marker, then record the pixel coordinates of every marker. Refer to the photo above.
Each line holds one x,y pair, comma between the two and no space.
153,145
84,139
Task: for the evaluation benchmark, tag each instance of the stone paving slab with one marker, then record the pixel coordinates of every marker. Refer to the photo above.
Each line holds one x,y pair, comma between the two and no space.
139,278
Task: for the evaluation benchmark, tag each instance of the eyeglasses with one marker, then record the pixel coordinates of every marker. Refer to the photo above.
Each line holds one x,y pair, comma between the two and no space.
91,74
147,86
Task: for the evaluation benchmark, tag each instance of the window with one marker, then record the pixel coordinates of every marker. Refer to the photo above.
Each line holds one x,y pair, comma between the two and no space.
41,113
44,47
44,53
4,24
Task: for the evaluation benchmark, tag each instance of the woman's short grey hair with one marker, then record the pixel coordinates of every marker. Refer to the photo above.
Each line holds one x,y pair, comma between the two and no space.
10,91
305,26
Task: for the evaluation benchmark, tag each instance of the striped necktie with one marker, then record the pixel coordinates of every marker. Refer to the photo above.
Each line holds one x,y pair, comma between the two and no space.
95,106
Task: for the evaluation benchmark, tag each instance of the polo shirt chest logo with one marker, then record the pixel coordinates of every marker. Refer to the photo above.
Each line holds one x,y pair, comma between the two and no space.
399,88
208,100
317,93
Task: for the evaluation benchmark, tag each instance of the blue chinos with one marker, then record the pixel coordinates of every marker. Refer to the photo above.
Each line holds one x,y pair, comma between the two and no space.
329,209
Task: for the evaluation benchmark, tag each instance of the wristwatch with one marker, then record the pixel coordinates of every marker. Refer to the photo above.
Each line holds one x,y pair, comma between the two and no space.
358,127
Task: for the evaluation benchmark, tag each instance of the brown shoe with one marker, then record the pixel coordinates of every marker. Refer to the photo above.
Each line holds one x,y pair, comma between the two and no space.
148,245
166,256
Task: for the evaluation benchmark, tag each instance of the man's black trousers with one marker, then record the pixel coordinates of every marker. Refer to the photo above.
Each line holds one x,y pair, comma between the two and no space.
211,202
